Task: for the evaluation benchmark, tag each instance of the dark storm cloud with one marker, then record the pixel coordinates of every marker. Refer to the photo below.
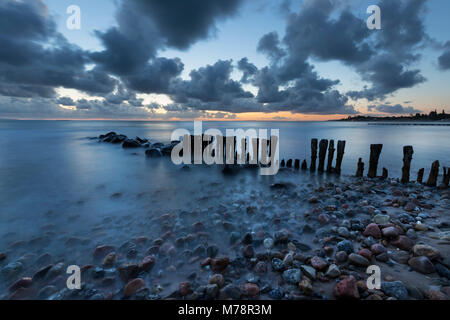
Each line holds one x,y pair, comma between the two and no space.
155,76
209,84
327,31
396,50
395,109
182,23
444,59
269,45
248,70
29,67
66,101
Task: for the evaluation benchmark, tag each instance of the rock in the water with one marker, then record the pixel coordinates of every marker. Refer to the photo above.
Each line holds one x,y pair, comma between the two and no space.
403,243
308,271
442,270
133,286
217,279
12,269
212,291
372,230
333,271
251,289
395,289
318,263
426,251
381,219
101,251
184,288
292,276
390,232
358,260
341,256
147,263
346,246
377,249
130,144
219,264
422,264
153,153
346,289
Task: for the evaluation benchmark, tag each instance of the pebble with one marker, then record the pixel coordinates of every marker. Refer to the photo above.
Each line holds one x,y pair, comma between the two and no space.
341,256
278,264
212,291
333,271
21,283
372,230
381,219
12,269
133,286
358,260
422,264
101,251
390,232
318,263
251,289
219,264
276,294
395,289
147,263
308,271
403,243
346,246
268,243
292,276
109,260
217,279
346,289
184,288
425,250
377,249
366,253
306,286
261,267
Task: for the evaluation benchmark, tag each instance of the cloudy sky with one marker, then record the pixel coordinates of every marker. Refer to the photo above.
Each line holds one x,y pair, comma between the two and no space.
222,59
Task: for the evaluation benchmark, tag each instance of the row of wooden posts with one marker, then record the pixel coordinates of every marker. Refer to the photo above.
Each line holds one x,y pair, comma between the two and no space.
319,149
408,151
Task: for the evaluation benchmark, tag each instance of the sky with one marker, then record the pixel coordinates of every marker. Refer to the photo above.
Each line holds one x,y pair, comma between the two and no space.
222,59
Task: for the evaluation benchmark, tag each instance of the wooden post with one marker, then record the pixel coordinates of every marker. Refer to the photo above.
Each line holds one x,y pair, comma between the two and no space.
375,151
407,157
304,165
330,156
297,164
289,163
282,164
420,175
360,170
446,177
434,172
340,156
322,153
313,155
385,174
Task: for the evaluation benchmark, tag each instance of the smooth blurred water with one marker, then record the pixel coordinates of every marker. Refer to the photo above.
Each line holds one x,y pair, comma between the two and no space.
50,171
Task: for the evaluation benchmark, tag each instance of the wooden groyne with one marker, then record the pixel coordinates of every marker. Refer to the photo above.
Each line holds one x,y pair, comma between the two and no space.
324,151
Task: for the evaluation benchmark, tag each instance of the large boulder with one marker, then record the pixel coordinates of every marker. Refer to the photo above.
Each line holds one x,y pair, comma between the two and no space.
130,144
117,139
153,153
